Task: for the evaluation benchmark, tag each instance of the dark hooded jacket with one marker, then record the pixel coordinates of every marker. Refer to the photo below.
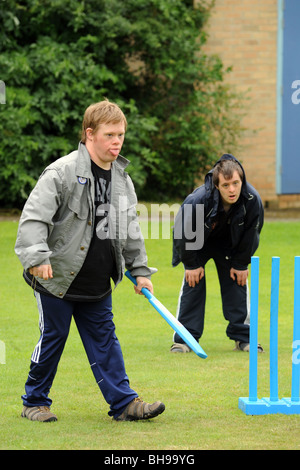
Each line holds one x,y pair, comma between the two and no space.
246,221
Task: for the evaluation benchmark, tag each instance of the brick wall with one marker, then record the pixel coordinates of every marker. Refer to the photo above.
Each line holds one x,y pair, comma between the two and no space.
244,34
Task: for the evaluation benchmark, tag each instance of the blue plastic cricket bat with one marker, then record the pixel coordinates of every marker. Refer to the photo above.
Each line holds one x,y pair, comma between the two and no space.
173,322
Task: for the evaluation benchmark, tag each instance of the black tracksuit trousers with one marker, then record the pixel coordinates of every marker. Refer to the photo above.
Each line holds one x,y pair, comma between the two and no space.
191,304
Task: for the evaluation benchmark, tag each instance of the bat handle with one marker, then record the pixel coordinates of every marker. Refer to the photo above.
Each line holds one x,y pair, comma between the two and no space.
131,278
145,291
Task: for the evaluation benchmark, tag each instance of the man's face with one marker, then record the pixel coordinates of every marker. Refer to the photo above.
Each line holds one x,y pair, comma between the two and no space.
230,189
105,145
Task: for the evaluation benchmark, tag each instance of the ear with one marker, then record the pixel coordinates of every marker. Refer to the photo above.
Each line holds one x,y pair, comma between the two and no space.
89,133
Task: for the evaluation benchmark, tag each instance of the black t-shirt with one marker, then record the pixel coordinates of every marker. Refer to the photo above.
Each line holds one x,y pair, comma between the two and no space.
93,280
221,227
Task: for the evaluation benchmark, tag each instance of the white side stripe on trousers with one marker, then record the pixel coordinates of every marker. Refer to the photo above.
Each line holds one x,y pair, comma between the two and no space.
37,351
247,319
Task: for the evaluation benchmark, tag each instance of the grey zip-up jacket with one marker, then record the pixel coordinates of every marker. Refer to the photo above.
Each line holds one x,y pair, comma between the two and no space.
57,222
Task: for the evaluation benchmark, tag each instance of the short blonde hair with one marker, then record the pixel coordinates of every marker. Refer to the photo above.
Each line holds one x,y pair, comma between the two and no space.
103,112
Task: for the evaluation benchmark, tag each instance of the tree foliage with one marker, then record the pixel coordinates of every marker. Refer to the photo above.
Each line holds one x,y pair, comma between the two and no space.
59,56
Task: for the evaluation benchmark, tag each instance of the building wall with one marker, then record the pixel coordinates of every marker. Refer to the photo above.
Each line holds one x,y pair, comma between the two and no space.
244,34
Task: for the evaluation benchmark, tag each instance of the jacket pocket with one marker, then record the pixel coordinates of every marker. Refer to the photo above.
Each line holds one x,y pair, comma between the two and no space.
78,201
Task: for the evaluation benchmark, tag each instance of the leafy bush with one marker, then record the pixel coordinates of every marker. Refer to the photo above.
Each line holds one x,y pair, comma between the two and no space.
59,56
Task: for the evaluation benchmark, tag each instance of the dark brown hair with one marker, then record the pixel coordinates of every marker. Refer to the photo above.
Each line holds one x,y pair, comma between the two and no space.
226,168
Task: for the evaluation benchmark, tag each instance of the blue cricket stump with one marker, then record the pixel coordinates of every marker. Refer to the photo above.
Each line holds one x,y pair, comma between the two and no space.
272,405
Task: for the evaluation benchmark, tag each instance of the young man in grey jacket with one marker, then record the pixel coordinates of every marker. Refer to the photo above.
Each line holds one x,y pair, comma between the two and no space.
78,230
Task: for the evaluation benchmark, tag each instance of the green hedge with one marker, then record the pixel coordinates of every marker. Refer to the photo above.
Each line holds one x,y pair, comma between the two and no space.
59,56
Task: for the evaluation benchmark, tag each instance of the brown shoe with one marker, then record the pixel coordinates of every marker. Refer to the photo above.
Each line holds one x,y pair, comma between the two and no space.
38,413
239,346
180,348
139,409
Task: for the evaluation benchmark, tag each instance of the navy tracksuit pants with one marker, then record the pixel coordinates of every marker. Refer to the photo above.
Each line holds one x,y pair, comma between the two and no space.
191,303
94,321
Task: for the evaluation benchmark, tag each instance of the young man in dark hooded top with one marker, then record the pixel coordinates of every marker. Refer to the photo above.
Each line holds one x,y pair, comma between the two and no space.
231,222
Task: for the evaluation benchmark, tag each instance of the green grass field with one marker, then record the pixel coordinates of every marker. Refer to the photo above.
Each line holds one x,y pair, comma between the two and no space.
201,396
